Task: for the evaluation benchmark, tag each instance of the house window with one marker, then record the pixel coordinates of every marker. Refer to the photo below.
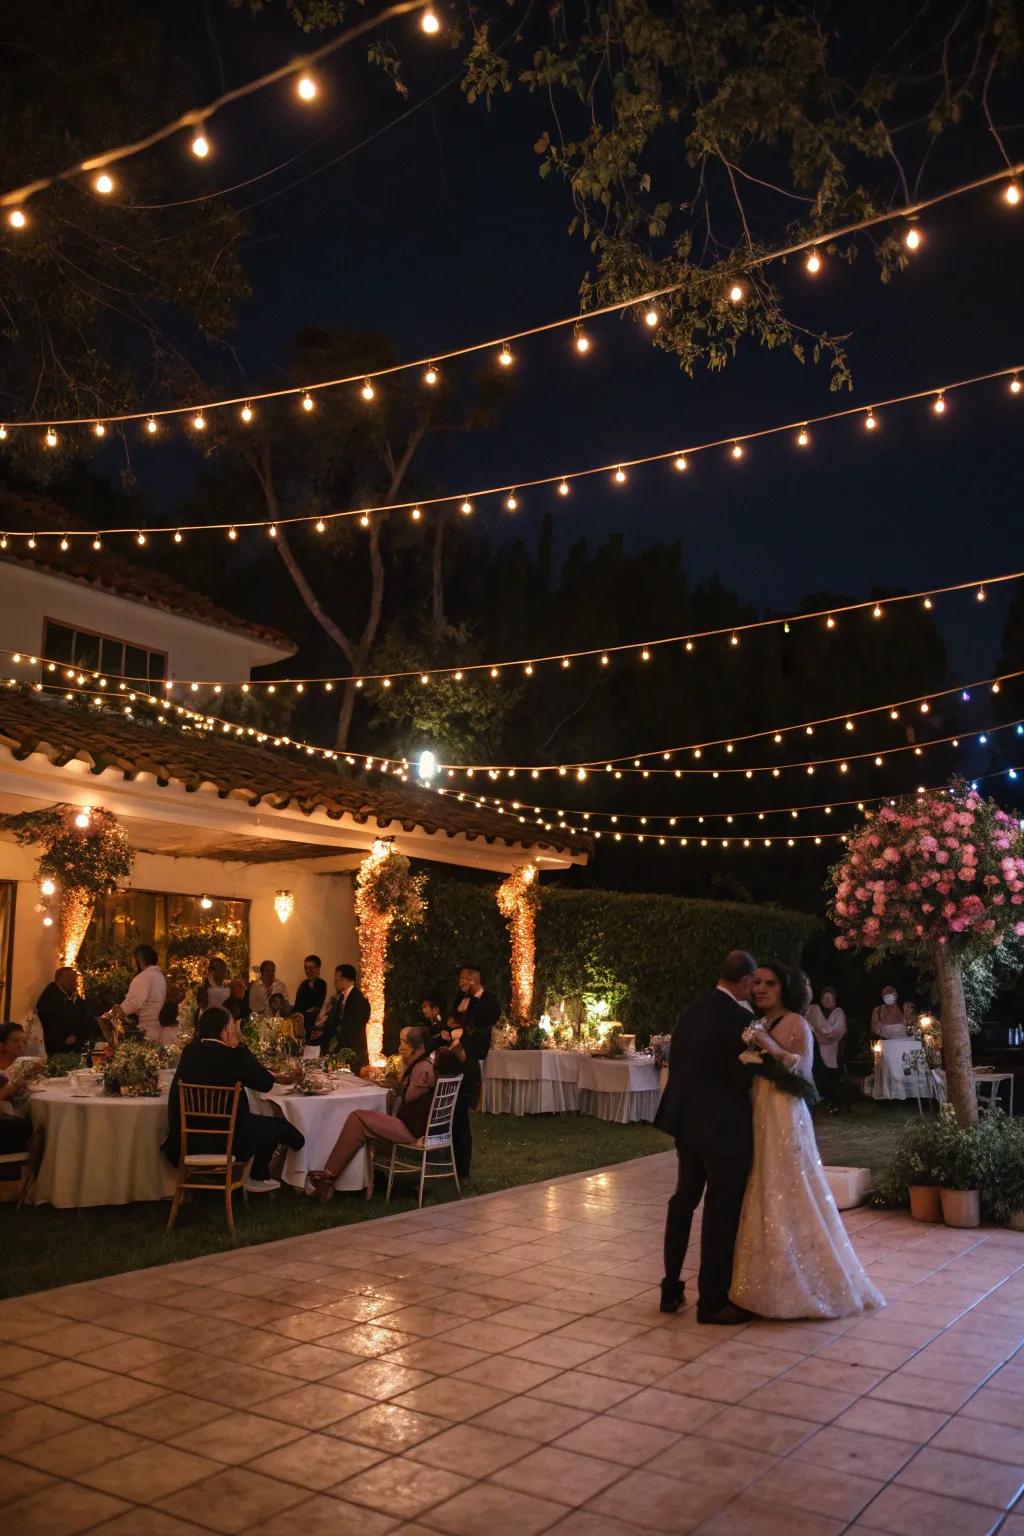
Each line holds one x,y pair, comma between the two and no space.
89,652
184,933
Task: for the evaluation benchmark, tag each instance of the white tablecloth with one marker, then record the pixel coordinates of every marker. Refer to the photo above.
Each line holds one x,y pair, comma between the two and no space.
901,1071
622,1090
530,1082
320,1119
100,1150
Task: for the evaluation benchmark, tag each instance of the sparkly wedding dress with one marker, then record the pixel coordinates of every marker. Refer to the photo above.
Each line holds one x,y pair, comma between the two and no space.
793,1257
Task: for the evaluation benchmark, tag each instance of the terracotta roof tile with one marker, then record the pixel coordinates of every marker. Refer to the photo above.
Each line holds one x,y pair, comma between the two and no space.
278,777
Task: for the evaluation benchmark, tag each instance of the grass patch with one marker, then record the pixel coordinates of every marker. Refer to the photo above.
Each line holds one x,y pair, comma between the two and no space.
45,1248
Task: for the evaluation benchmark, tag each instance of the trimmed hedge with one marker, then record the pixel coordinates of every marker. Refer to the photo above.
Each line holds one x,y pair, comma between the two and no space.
649,955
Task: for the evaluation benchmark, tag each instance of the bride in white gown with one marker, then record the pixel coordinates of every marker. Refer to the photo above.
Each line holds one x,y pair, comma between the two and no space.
793,1257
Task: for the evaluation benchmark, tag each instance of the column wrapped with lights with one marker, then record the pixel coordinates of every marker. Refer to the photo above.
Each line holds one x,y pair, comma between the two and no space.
84,855
518,898
387,895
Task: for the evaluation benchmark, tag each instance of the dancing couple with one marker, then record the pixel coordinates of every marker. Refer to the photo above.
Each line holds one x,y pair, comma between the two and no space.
737,1103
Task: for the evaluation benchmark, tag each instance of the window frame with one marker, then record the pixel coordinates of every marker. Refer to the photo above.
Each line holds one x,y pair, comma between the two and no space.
140,684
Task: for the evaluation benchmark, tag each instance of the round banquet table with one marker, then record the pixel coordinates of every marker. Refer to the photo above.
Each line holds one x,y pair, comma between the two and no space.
530,1082
320,1118
623,1089
901,1071
100,1150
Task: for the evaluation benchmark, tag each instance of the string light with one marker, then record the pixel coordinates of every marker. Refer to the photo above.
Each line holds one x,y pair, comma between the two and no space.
620,476
803,437
813,263
651,317
416,514
65,546
505,355
308,403
431,376
869,420
582,342
430,23
913,237
151,426
246,413
199,422
17,218
939,404
99,429
364,521
736,294
1015,385
512,501
233,534
679,462
51,438
367,390
103,184
200,146
178,537
737,450
321,526
305,88
563,489
1012,193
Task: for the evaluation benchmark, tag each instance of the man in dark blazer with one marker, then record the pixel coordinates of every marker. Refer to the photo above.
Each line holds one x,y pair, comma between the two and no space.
342,1024
706,1108
471,1024
67,1024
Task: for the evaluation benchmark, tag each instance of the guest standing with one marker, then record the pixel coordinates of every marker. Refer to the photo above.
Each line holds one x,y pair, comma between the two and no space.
474,1014
311,993
267,986
147,995
15,1125
828,1026
217,1058
892,1020
67,1023
342,1023
216,989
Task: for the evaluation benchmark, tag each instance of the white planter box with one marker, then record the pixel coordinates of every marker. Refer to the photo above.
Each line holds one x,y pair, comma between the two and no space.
849,1186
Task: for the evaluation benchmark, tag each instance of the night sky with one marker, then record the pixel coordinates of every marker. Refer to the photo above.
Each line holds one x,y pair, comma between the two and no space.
440,232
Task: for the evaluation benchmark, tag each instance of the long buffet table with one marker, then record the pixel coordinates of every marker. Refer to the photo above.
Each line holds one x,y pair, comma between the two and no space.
622,1089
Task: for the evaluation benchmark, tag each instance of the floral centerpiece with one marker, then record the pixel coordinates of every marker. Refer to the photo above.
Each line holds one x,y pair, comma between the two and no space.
133,1069
61,1063
937,879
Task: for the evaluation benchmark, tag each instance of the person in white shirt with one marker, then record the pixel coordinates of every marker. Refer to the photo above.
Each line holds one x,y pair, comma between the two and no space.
827,1023
147,995
268,985
216,989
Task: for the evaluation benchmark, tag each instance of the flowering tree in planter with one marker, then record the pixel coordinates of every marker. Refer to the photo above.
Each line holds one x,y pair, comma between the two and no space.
937,879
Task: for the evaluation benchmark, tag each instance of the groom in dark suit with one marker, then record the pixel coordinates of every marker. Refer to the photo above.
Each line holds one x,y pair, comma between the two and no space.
706,1108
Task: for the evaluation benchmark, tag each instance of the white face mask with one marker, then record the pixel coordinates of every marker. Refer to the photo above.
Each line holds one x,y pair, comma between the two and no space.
889,997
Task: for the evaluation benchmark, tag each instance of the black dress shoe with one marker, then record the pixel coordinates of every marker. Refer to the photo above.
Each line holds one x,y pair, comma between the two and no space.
726,1317
673,1293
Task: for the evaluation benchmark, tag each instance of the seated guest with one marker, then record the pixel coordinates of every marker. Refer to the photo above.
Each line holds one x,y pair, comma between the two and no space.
408,1109
216,989
235,1000
217,1058
147,994
15,1125
432,1010
268,986
67,1024
311,994
278,1006
342,1023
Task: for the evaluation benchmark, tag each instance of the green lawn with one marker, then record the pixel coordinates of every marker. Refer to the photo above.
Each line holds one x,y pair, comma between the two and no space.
43,1247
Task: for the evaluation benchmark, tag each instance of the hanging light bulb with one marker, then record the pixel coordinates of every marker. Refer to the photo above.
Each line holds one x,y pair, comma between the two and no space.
17,218
651,317
177,536
367,390
876,612
466,508
737,450
505,355
1012,193
736,294
151,426
103,184
305,88
939,404
364,521
1015,385
99,429
870,420
563,488
51,438
200,146
96,543
431,376
31,541
65,546
430,23
140,537
679,462
803,437
3,434
813,263
308,403
620,476
582,341
320,525
415,514
912,238
511,502
199,422
246,413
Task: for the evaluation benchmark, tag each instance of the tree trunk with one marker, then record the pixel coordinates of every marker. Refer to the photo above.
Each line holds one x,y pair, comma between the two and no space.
956,1037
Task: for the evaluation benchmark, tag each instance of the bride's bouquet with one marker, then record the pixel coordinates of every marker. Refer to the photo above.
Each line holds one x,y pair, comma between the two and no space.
793,1083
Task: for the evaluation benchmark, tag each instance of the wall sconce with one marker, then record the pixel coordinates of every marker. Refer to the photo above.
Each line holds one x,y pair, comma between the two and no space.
284,905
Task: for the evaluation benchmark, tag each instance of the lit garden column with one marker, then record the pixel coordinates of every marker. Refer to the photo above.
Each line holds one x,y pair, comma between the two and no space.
518,898
386,894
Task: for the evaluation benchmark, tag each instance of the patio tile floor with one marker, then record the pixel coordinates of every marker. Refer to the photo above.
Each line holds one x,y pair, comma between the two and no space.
499,1367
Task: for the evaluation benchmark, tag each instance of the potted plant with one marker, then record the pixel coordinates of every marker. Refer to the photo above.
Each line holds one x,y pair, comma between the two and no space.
958,1162
915,1168
1001,1159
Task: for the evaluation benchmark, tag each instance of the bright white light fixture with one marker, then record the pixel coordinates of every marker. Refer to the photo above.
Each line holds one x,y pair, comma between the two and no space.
284,905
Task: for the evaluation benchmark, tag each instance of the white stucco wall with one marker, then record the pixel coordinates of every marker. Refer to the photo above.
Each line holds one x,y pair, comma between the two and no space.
322,923
193,649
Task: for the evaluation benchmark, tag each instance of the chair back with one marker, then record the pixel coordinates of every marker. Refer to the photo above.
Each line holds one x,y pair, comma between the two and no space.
207,1113
442,1112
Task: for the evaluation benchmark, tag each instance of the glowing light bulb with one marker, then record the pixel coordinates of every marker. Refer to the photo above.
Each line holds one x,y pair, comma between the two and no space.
320,525
679,462
505,356
737,450
415,514
620,476
563,489
200,146
177,536
17,218
199,422
47,921
980,595
651,317
272,531
912,238
431,376
103,184
232,534
803,437
927,603
511,502
32,541
246,413
151,426
430,23
82,819
364,521
65,546
305,88
205,903
813,263
47,887
830,623
938,405
140,537
51,438
367,390
96,544
582,342
308,403
1012,194
869,421
1015,385
736,293
3,434
99,429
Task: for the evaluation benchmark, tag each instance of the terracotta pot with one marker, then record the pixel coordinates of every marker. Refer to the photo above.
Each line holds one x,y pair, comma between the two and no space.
925,1202
961,1207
